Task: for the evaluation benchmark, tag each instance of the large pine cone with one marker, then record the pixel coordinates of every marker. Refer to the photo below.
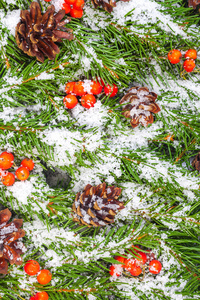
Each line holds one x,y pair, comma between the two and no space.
196,162
97,205
139,106
10,248
36,33
105,5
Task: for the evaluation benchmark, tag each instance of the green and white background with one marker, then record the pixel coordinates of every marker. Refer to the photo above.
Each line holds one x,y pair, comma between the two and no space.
160,189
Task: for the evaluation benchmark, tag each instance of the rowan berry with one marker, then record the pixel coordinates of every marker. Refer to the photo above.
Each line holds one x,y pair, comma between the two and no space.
174,56
110,90
88,100
44,276
6,160
155,266
79,4
70,101
69,88
28,163
120,259
47,0
8,179
189,65
42,296
66,7
79,88
70,1
141,258
32,267
135,270
96,87
22,173
76,13
115,270
191,53
32,298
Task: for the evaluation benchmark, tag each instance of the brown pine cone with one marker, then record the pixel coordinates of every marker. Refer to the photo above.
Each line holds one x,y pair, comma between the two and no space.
36,34
193,3
97,205
139,106
105,5
10,248
196,162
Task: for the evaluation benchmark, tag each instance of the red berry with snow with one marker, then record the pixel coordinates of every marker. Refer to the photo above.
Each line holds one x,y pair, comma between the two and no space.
44,276
174,56
120,259
22,173
70,101
155,266
42,296
115,270
191,53
8,179
69,88
189,65
79,88
110,91
96,87
88,101
32,267
141,258
135,270
6,160
28,163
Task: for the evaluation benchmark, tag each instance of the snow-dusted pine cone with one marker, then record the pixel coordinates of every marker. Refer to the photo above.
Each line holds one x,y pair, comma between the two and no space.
196,162
10,248
108,6
139,104
97,205
193,3
36,34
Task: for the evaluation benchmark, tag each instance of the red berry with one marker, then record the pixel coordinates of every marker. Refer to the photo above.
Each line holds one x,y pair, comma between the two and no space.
115,270
88,101
189,65
70,101
22,173
8,179
79,4
70,1
120,259
6,160
174,56
128,263
66,7
32,298
44,276
135,270
47,0
42,296
142,258
28,163
155,266
32,267
69,88
79,88
96,87
76,13
191,53
110,90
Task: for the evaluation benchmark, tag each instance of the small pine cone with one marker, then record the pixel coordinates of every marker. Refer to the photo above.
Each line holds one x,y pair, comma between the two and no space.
196,162
10,248
193,3
105,5
97,205
139,106
36,34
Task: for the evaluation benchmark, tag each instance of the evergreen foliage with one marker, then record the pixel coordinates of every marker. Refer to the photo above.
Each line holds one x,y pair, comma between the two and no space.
152,165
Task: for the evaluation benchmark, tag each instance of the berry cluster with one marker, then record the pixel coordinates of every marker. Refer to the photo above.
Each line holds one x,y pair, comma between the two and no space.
22,173
136,265
44,276
74,7
175,56
86,90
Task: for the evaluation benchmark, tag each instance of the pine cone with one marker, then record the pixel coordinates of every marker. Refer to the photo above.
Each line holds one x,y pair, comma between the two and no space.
196,162
36,33
10,248
139,106
97,205
105,5
193,3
